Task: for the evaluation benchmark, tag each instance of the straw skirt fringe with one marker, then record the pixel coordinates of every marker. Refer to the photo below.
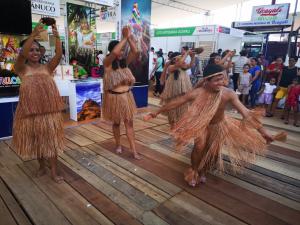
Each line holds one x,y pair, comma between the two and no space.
38,136
173,89
118,107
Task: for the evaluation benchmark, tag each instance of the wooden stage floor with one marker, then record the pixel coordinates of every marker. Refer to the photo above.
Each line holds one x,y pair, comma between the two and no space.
102,187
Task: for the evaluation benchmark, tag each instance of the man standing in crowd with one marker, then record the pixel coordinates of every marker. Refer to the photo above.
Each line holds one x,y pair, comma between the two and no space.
238,64
100,57
285,78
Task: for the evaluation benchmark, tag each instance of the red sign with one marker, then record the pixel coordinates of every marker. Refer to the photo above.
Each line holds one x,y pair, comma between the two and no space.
268,12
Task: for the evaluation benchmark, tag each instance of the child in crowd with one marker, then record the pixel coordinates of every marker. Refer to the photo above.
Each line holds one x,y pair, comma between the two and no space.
266,95
244,83
292,102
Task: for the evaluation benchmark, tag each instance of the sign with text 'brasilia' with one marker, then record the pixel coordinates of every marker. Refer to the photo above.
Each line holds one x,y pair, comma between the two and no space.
46,7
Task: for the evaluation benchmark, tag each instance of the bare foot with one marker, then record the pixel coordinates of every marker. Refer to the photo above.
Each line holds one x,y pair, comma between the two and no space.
203,179
119,150
192,183
137,156
58,179
41,171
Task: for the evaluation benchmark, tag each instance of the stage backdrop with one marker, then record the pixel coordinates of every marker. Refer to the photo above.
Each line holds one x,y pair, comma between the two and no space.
82,33
137,15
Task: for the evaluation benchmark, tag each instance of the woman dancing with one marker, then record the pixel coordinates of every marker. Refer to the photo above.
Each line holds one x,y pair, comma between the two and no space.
38,124
177,84
118,102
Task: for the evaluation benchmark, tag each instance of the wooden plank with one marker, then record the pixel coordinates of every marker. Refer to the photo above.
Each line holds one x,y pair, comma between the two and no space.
80,130
13,206
140,198
77,139
71,145
284,151
117,197
133,180
38,207
173,218
261,191
7,156
74,207
150,136
196,211
156,181
6,217
97,130
111,210
163,128
237,207
266,182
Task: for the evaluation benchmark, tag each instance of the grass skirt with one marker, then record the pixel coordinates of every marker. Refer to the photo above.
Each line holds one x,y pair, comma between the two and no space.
175,88
38,136
118,107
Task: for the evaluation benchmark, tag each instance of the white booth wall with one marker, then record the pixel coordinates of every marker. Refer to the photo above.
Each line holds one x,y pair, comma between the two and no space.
210,42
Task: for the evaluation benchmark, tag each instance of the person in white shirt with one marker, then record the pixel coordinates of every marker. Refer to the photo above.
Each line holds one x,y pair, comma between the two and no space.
100,58
238,64
152,60
267,94
188,59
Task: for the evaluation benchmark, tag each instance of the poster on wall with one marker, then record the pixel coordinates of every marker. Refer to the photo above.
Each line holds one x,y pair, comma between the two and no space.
82,33
9,50
88,101
137,15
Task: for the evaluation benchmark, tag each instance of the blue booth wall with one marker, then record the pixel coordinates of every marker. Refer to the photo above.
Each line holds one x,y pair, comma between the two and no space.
7,110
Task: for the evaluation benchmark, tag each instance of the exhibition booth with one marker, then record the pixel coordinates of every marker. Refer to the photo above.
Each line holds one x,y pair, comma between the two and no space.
76,22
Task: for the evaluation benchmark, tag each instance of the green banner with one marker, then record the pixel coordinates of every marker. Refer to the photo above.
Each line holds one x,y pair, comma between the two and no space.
180,31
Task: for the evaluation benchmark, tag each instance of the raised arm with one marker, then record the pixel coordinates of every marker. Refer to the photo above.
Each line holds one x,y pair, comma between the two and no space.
21,59
190,96
118,48
133,50
58,50
224,59
191,64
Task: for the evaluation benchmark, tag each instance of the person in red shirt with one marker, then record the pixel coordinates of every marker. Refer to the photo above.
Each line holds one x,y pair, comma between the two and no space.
274,69
292,102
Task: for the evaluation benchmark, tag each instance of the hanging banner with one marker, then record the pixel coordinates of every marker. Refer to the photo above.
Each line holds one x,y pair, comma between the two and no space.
82,33
46,7
270,12
137,15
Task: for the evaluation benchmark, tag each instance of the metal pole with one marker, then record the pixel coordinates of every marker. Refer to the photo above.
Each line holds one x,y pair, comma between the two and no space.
292,29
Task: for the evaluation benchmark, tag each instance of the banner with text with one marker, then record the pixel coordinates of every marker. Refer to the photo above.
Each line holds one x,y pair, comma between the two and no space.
46,7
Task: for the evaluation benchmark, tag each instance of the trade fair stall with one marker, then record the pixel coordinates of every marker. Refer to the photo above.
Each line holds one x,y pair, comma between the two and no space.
78,29
210,37
269,22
